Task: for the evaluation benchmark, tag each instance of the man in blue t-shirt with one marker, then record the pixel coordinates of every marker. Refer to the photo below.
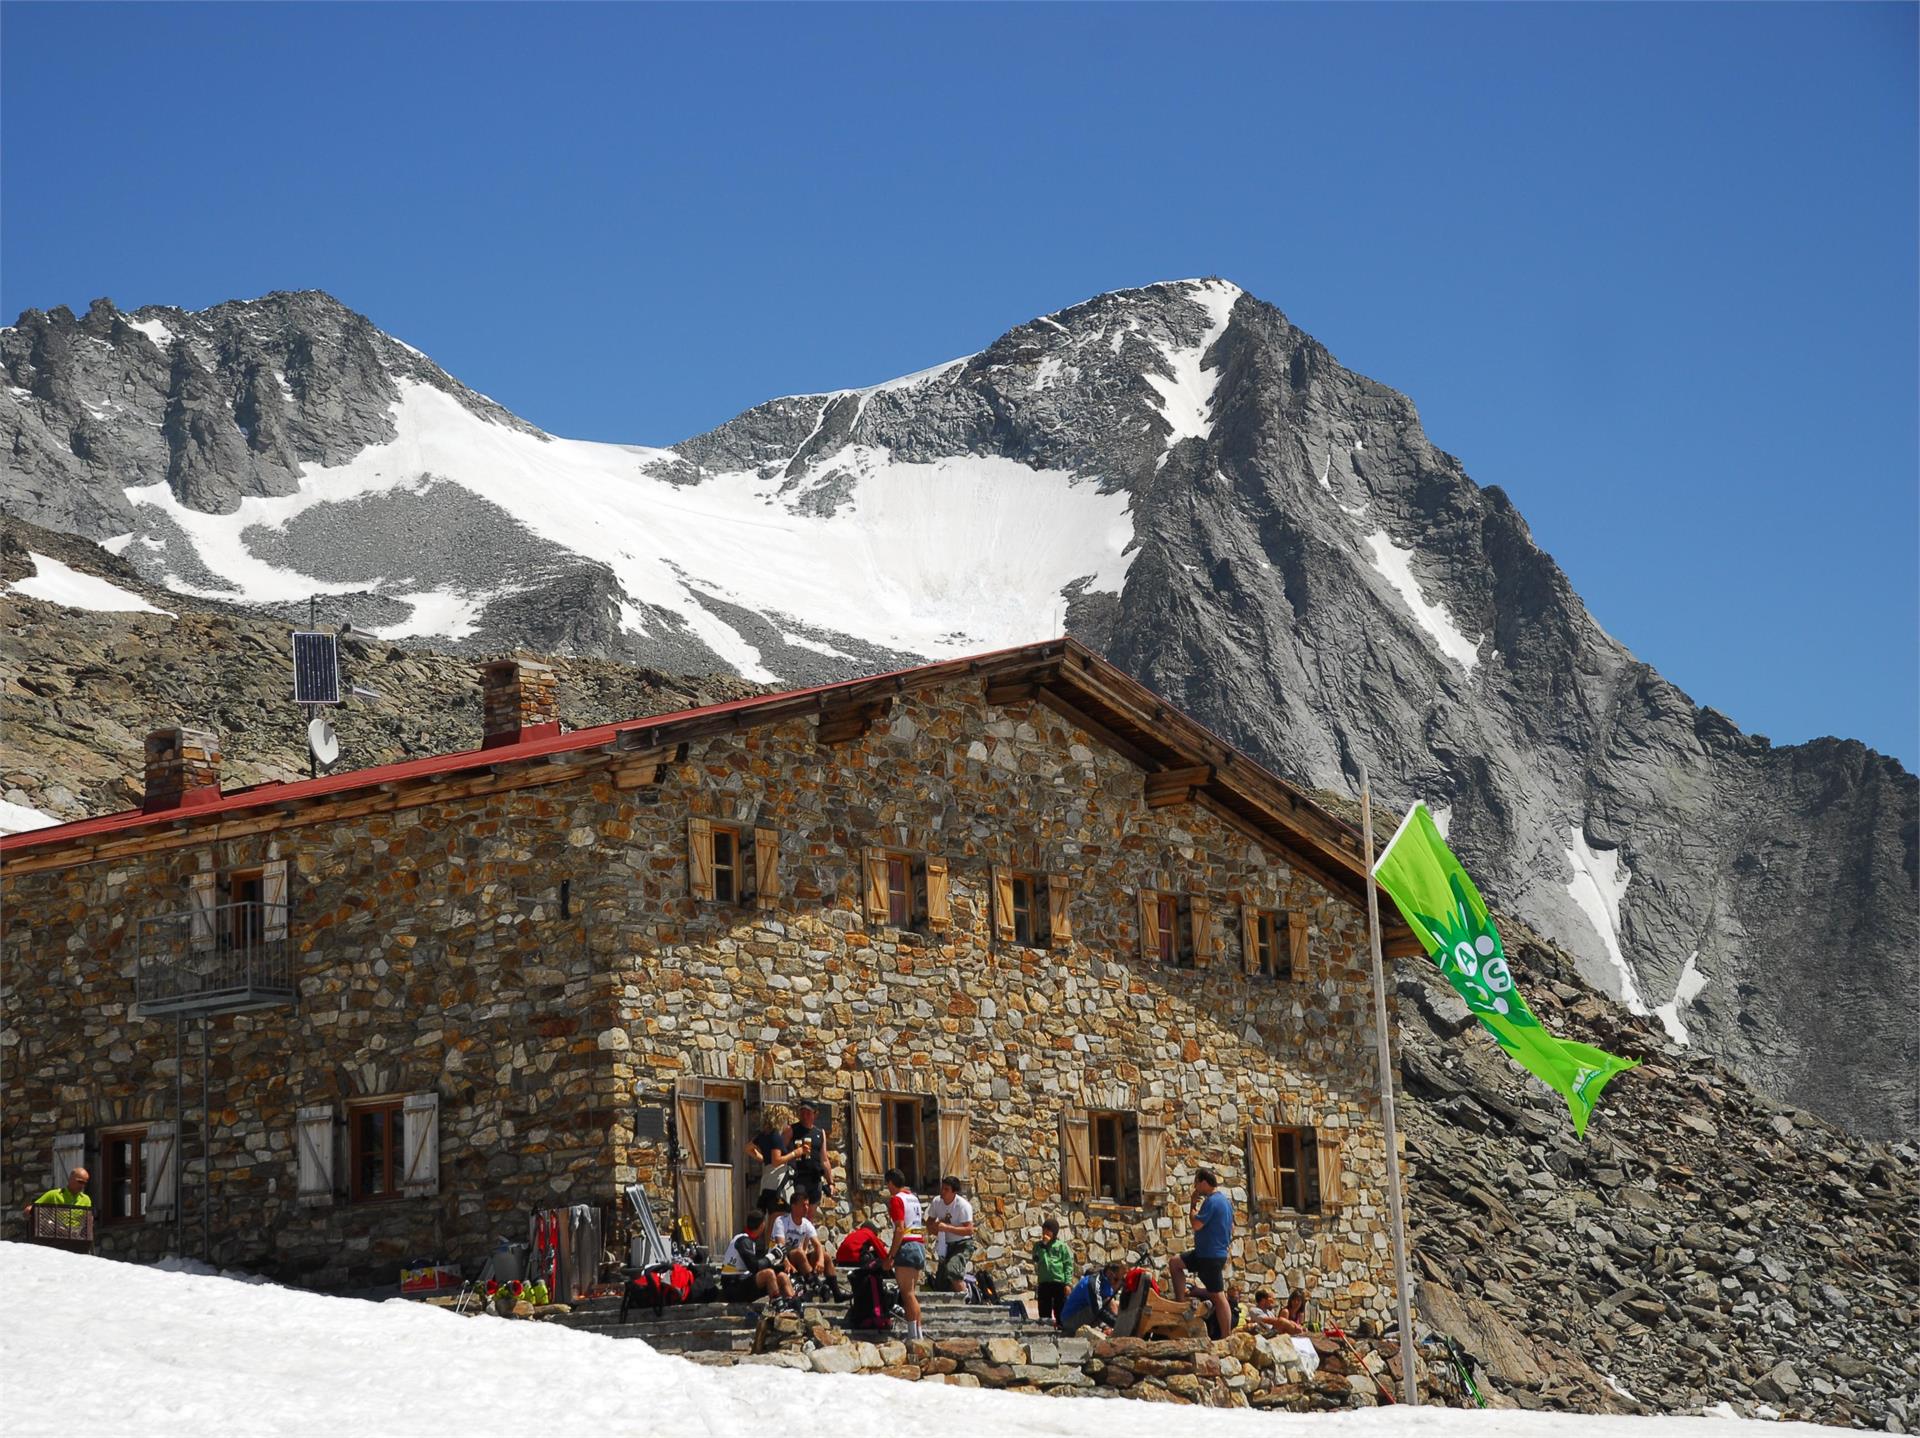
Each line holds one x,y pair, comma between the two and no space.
1091,1301
1212,1219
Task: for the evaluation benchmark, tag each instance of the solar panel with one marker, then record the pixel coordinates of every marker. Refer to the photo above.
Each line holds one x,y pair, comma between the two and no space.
316,669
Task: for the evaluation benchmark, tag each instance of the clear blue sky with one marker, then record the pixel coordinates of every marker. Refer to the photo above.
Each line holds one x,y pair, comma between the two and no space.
1651,268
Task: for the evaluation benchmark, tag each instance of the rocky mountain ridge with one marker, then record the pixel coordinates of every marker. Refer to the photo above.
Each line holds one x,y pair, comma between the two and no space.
1176,474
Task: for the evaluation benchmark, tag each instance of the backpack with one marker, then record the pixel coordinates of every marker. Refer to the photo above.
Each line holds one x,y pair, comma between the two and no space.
869,1311
656,1288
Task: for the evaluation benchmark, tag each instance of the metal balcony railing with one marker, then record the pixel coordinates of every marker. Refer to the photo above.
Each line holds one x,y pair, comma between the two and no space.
215,959
61,1226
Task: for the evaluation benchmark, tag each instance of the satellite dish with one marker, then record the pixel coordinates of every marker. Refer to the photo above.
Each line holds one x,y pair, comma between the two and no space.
324,743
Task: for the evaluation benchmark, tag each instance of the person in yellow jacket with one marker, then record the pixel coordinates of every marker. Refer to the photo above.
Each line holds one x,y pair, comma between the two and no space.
71,1194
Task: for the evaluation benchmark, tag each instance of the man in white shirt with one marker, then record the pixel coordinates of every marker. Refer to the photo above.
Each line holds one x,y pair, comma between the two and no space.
795,1231
951,1218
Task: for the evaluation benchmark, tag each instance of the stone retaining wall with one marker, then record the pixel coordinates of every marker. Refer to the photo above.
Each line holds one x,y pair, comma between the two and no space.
1245,1370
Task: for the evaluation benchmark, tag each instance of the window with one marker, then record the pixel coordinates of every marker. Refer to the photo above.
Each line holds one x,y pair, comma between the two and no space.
1114,1159
1025,902
902,1145
1285,1165
1269,952
1166,929
379,1149
122,1179
726,864
900,886
1113,1155
1030,909
731,864
246,895
717,1131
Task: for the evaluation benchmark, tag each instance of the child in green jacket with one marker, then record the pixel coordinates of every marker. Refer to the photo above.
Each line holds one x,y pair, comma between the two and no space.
1052,1270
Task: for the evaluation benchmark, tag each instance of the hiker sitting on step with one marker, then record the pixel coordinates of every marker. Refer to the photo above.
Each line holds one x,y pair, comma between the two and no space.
750,1270
794,1230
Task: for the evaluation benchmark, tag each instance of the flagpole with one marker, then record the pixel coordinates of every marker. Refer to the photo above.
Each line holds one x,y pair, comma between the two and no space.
1395,1203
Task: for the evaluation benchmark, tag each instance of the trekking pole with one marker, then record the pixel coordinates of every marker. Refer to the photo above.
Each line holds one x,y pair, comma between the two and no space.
1386,1393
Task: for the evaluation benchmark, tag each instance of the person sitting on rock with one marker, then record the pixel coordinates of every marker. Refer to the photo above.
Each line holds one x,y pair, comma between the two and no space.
1093,1301
1267,1316
750,1268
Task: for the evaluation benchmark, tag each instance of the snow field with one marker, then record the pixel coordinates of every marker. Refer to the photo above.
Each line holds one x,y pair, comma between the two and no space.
189,1354
58,583
936,559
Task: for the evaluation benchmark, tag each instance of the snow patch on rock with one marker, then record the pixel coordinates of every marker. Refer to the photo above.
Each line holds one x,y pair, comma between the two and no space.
1685,990
18,818
1599,882
1186,396
1396,566
57,583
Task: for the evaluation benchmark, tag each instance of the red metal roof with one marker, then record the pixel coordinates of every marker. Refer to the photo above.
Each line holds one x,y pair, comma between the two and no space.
256,796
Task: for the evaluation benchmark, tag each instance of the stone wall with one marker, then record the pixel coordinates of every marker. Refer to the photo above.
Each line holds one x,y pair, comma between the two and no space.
533,957
1244,1370
811,992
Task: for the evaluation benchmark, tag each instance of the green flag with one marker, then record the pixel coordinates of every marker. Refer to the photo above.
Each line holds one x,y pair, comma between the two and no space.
1448,915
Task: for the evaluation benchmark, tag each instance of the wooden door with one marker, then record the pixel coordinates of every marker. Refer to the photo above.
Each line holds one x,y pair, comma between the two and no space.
721,1181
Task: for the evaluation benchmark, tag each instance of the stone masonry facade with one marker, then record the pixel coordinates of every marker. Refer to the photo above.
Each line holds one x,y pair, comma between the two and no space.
532,956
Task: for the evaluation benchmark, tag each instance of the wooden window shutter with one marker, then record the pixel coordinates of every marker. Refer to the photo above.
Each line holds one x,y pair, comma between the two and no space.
876,886
314,1147
1297,946
1310,1171
1076,1155
1250,938
420,1135
1059,913
955,1128
273,900
1003,903
1149,925
69,1153
690,1122
1153,1160
1201,907
868,1145
766,867
159,1161
700,858
202,892
1263,1178
1328,1167
937,908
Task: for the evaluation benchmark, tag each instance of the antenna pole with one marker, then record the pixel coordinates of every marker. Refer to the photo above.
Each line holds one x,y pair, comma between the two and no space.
1410,1390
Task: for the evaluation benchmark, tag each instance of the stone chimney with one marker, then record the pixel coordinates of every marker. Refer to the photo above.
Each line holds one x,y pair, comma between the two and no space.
518,700
183,769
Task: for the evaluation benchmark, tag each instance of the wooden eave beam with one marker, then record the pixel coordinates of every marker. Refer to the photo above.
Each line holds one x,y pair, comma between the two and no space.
844,723
1176,786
